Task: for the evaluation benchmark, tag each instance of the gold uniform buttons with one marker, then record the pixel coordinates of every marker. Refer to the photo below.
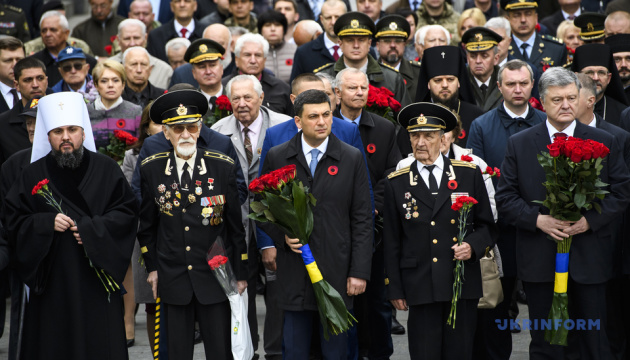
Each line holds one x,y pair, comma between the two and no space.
184,211
452,221
435,241
454,239
434,259
190,267
432,223
186,228
187,248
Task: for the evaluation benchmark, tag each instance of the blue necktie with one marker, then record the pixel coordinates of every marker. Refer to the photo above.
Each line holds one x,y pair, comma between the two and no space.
313,165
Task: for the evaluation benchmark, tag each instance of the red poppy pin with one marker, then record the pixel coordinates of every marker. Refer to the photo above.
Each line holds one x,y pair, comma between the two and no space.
452,184
121,123
462,134
289,62
371,148
333,170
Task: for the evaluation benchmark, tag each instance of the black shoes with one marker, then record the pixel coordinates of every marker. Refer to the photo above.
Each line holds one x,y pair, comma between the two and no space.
130,342
397,329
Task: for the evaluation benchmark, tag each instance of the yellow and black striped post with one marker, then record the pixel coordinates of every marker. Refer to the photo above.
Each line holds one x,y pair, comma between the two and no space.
156,344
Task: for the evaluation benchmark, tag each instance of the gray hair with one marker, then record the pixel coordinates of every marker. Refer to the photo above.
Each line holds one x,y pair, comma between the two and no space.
176,44
422,33
124,55
331,80
238,31
348,70
514,65
588,84
499,22
251,38
132,22
240,78
63,21
556,76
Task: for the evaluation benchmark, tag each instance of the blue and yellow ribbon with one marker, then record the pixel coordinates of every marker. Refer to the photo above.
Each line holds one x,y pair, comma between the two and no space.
562,273
311,265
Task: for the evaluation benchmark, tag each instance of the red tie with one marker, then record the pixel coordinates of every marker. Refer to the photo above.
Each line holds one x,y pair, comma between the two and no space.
335,53
183,31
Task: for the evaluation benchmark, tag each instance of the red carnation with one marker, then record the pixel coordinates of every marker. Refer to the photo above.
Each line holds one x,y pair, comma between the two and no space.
466,158
489,171
456,206
497,171
108,49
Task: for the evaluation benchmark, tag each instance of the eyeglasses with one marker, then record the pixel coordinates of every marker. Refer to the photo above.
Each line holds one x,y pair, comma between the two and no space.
192,128
600,73
68,67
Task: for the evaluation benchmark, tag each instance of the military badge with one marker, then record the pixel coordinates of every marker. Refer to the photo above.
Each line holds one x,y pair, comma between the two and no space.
161,200
478,37
167,194
198,189
176,203
174,186
168,206
393,26
191,198
203,48
161,188
455,195
413,179
181,110
210,183
354,23
407,195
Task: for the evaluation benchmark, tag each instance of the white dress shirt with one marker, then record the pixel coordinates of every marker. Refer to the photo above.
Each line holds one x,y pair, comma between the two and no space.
179,164
569,130
6,94
179,27
438,170
330,44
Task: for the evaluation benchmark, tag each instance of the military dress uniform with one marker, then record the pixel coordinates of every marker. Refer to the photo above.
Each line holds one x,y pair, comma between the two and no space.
478,39
592,29
358,24
179,225
13,22
418,235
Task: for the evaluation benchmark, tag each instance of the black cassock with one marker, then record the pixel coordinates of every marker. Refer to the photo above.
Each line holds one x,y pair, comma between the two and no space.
68,315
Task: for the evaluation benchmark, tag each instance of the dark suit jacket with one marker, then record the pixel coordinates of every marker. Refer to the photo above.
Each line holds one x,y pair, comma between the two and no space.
591,253
552,21
284,132
52,71
276,92
418,255
310,56
305,11
164,14
208,139
183,270
341,240
3,105
13,134
160,36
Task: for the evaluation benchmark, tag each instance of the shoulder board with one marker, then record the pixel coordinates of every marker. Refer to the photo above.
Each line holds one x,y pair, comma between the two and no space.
568,65
323,67
552,38
14,8
463,163
399,172
389,67
154,157
217,155
414,63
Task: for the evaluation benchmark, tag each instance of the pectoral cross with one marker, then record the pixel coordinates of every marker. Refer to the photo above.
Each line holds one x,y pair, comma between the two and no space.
61,105
443,54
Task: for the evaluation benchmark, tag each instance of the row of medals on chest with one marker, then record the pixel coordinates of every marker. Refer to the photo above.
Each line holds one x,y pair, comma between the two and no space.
211,206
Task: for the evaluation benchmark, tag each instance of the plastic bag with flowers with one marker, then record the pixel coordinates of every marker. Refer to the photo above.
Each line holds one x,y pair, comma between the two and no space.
286,203
222,108
381,102
119,142
219,263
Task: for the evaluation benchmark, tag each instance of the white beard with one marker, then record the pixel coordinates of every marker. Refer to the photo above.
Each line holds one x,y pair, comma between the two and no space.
185,151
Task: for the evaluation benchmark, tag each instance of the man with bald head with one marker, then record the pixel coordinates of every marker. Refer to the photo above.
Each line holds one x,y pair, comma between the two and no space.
306,31
138,88
216,32
132,32
617,22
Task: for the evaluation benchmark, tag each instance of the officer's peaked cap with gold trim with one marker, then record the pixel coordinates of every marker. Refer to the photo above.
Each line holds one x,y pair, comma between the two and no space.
480,39
354,23
425,116
508,5
591,26
203,50
179,107
393,26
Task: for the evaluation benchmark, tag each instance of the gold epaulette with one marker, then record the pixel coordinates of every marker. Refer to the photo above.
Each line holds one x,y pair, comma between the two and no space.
14,8
552,38
323,67
463,163
389,67
415,63
153,157
218,155
404,170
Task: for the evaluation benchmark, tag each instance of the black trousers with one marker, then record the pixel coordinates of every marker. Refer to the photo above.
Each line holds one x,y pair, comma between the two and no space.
431,338
586,301
252,261
618,314
214,325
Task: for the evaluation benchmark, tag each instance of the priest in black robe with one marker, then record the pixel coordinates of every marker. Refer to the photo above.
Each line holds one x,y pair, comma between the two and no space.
70,314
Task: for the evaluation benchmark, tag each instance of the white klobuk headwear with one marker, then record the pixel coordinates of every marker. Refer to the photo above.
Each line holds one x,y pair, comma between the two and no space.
56,110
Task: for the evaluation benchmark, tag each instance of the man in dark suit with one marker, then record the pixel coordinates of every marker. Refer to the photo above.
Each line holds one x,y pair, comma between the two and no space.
482,52
11,51
596,61
341,240
30,81
569,10
538,50
325,48
373,312
314,13
183,24
189,290
420,237
591,254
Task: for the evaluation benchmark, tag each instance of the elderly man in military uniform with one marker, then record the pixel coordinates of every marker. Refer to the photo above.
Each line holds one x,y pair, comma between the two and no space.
482,52
420,238
592,27
527,44
355,31
392,32
596,61
189,201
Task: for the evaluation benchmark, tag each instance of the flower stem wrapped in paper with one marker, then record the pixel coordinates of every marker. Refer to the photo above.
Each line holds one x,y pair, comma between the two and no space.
287,204
219,263
462,204
572,167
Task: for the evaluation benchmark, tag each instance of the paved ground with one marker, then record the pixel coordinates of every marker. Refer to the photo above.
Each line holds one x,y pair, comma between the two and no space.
141,350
